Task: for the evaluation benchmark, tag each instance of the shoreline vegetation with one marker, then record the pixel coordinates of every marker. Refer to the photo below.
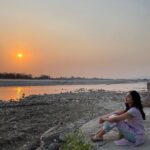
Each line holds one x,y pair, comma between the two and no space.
23,123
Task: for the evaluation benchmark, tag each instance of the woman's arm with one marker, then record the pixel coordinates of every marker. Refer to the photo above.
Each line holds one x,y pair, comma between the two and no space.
118,112
119,117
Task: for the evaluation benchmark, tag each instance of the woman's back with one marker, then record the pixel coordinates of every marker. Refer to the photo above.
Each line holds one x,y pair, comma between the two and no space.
136,123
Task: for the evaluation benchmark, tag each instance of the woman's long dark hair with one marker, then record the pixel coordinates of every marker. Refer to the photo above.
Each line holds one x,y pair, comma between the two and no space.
136,103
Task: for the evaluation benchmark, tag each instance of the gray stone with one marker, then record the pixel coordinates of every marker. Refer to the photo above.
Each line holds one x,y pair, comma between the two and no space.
52,138
148,86
53,146
146,100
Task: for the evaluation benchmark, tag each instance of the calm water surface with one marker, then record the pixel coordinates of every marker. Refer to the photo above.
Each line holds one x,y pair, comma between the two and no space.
7,93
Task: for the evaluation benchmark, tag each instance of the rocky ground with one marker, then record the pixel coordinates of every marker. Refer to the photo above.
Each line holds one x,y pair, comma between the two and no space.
22,123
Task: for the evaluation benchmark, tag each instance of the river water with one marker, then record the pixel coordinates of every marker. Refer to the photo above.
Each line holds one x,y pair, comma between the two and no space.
16,92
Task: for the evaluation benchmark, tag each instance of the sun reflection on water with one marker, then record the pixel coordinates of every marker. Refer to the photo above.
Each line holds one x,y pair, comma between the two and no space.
19,92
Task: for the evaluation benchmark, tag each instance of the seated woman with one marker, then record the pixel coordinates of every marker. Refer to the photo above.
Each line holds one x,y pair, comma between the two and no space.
129,122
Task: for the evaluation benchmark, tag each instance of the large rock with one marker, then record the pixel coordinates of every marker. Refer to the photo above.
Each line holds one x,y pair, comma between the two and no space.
148,86
93,126
146,100
51,139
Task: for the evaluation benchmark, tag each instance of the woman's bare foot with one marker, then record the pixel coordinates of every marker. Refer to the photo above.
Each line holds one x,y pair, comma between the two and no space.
96,138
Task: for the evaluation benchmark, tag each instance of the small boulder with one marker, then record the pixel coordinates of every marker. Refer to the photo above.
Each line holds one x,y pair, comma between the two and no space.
146,101
51,139
148,86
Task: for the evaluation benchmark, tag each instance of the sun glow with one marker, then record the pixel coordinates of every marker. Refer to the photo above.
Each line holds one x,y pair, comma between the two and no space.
19,55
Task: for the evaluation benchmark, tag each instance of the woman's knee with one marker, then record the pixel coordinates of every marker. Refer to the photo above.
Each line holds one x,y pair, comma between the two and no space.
107,126
121,125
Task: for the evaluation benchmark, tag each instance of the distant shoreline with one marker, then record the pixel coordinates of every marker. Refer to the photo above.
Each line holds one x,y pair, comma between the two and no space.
31,82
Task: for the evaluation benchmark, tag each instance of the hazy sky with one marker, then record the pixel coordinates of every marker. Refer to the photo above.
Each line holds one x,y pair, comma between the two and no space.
90,38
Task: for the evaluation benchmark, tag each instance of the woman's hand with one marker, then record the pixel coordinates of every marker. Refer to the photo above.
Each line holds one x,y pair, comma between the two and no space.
102,120
112,119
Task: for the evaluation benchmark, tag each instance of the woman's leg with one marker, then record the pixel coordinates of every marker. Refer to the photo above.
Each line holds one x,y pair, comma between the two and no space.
98,136
126,131
123,128
107,126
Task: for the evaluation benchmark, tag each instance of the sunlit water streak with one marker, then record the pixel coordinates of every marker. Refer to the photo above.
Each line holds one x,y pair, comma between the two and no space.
7,93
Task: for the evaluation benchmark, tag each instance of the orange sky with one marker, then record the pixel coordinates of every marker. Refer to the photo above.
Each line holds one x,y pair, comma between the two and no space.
108,38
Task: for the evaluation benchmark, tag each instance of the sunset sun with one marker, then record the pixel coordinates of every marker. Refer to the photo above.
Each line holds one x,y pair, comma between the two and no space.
19,55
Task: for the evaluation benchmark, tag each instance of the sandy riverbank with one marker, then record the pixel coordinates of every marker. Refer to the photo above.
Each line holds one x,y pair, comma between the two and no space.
66,82
22,123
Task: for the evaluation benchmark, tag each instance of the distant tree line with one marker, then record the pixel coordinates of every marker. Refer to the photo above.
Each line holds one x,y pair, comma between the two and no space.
15,76
6,75
21,76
